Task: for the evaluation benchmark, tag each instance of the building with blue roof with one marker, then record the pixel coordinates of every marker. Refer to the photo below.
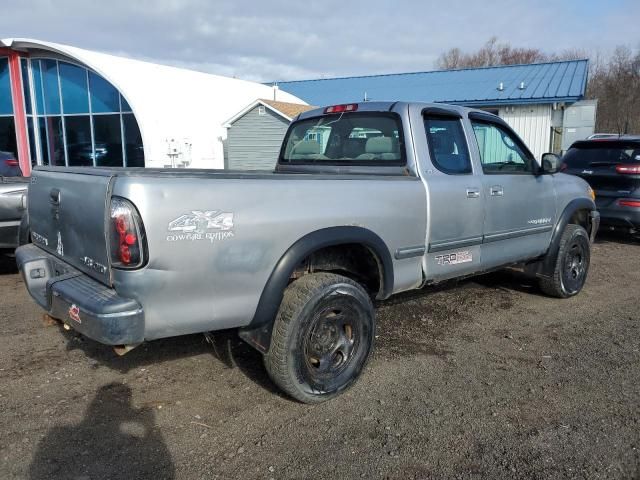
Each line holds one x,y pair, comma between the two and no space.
489,86
543,102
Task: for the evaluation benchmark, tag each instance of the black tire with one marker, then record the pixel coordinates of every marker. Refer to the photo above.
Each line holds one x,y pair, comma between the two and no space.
322,337
572,264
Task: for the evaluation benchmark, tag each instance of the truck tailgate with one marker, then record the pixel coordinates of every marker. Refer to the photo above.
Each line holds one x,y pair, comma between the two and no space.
67,216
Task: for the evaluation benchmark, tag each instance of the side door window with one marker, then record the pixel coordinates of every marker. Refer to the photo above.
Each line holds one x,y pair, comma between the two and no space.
447,145
501,152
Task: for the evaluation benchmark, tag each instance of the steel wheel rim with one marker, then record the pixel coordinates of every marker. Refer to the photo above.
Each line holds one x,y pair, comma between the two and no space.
332,341
575,267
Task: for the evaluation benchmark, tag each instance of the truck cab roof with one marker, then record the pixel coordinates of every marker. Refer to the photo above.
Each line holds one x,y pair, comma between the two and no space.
389,106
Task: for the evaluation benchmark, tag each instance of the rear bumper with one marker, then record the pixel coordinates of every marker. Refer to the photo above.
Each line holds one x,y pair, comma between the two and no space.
620,218
86,305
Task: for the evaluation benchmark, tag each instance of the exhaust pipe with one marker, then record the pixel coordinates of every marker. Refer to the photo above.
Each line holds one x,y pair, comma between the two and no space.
124,349
49,321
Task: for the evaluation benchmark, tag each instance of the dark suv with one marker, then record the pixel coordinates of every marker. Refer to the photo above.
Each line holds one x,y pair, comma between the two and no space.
612,168
9,166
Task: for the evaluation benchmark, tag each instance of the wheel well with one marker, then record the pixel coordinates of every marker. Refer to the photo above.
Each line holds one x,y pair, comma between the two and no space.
582,218
352,260
352,251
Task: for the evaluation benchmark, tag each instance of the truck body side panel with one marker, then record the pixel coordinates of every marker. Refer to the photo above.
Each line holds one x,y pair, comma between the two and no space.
214,243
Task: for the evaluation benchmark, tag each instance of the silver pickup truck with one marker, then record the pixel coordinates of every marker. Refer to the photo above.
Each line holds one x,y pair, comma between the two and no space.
366,201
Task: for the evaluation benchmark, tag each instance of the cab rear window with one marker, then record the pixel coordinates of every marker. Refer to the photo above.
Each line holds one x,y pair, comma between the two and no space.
360,138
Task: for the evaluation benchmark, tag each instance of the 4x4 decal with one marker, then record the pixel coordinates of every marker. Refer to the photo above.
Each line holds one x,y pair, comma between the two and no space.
201,225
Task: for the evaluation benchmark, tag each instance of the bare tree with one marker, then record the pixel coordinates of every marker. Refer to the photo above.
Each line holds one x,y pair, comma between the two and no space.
613,81
616,85
450,60
491,53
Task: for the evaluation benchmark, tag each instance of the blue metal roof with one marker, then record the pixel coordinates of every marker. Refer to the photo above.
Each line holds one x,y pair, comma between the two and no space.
543,83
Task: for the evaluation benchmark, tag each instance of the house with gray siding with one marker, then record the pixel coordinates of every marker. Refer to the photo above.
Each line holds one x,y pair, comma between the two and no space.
254,134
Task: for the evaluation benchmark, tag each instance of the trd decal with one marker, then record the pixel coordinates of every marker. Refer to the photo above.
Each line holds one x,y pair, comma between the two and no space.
454,258
41,239
92,264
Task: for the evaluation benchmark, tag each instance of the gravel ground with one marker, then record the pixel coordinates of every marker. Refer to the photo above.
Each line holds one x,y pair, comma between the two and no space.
483,379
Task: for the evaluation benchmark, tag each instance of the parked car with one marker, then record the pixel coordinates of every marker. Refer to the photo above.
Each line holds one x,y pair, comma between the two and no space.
294,258
104,154
612,168
13,204
602,135
13,215
9,166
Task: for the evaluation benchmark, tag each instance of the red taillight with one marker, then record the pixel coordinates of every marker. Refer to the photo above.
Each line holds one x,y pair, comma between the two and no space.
350,107
121,225
11,162
628,169
126,233
130,239
125,254
629,203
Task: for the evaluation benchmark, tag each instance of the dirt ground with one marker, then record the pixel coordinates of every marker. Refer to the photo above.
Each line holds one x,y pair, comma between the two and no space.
483,379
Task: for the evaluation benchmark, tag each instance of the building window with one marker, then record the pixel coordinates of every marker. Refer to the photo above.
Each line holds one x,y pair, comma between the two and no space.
77,130
7,122
262,110
51,87
6,105
104,96
73,86
132,141
51,141
77,118
108,140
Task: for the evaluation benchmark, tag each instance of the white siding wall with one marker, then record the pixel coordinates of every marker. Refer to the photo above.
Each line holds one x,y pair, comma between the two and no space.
533,124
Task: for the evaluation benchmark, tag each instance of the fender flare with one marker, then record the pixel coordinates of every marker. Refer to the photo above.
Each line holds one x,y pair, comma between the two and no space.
258,332
548,263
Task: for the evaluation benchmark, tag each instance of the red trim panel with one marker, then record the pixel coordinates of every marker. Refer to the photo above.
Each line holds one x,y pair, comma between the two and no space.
19,114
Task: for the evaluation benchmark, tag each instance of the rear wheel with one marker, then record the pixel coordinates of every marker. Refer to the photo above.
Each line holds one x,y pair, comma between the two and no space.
322,337
572,264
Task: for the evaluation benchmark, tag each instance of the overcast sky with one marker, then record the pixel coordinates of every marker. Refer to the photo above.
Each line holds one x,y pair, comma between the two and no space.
290,40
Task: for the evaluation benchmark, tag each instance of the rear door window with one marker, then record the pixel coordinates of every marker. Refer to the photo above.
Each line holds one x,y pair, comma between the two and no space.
447,145
360,138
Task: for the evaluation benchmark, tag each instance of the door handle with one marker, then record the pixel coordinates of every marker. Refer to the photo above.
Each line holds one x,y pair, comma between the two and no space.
497,191
473,193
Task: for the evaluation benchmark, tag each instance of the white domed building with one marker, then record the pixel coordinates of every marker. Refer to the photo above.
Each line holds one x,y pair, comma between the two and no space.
62,105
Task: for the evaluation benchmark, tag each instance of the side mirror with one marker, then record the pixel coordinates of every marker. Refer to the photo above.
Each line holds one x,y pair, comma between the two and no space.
550,163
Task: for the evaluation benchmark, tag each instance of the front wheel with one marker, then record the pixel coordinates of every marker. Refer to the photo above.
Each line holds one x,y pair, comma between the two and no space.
572,264
322,337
